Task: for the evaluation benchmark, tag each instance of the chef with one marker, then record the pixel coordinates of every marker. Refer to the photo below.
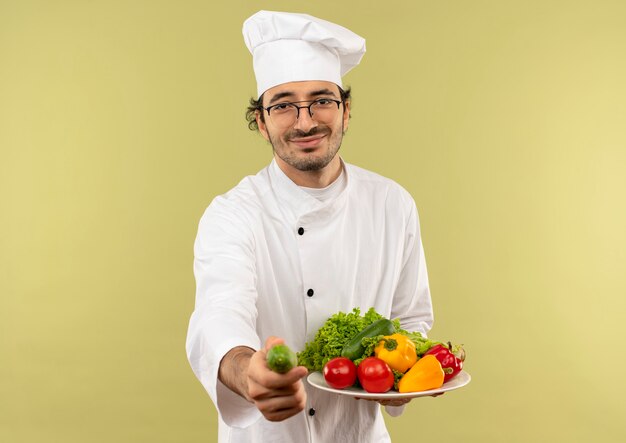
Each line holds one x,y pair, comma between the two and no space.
306,237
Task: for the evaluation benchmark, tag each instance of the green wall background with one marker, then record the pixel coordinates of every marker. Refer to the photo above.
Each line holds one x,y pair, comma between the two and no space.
121,120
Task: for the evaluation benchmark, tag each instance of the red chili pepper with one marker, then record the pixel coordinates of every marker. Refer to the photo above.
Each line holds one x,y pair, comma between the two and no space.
451,360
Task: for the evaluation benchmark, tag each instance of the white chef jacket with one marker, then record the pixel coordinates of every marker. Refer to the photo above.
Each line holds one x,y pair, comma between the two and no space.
270,259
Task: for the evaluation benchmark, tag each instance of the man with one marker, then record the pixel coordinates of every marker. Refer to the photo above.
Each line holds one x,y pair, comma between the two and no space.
308,236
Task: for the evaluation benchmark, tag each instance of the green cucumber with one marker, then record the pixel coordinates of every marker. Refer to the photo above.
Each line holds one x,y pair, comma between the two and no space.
281,359
354,349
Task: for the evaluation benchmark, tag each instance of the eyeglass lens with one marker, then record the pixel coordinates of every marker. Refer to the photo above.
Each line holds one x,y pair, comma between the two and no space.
286,114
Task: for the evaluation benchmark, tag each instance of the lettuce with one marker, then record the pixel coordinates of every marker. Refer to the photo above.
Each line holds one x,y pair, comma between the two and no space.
339,329
333,336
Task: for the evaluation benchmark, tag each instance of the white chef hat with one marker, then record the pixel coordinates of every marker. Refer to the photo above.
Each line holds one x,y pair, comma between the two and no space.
289,47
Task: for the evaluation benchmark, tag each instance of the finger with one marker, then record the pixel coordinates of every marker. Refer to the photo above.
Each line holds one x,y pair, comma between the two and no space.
273,380
387,402
282,414
395,402
273,341
280,408
268,384
259,392
279,403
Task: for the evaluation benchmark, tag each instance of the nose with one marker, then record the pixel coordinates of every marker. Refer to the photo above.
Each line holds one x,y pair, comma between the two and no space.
305,122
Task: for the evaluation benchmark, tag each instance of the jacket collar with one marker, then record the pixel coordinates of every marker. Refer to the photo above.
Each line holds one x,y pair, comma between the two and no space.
304,207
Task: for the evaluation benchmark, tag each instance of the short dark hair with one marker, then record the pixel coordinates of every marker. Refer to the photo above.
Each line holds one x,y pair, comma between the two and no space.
257,105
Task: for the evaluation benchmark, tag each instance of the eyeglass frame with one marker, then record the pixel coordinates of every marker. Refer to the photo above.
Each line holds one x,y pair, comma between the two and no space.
269,108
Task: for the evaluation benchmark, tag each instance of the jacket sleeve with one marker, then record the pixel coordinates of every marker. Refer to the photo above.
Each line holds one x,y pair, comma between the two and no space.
225,310
412,303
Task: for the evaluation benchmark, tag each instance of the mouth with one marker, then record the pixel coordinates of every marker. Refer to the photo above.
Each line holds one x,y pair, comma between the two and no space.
308,142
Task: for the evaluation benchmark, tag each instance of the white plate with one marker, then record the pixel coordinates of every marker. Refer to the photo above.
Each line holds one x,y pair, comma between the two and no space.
316,379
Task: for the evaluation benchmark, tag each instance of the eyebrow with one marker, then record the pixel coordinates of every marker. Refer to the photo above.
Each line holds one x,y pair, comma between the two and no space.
317,93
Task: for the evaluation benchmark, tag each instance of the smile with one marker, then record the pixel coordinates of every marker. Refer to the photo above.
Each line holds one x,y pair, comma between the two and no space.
308,142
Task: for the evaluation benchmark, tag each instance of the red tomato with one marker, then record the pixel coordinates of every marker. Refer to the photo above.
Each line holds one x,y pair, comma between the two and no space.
340,373
375,375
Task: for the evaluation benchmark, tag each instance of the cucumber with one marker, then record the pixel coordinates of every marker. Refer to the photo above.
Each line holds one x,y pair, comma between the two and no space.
281,359
354,349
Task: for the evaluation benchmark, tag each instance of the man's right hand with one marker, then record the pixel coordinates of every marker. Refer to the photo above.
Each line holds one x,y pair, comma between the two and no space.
277,396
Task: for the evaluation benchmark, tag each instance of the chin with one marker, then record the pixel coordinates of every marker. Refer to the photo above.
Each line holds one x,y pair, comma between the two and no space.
309,165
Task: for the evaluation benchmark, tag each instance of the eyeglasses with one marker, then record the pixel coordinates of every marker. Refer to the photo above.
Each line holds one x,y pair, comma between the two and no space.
286,114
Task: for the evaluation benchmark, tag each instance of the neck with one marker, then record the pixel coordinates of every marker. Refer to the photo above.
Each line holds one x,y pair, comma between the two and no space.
312,179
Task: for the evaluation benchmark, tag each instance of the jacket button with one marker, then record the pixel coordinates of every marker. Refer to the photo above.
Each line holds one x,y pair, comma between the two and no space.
310,292
300,231
311,412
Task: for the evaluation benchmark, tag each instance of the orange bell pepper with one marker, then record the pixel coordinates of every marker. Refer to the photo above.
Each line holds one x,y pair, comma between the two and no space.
426,374
398,351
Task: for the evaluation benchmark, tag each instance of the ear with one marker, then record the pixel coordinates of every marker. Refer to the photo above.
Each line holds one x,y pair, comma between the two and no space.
346,115
261,125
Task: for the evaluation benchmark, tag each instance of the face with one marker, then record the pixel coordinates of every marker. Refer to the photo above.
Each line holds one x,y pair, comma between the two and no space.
307,145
